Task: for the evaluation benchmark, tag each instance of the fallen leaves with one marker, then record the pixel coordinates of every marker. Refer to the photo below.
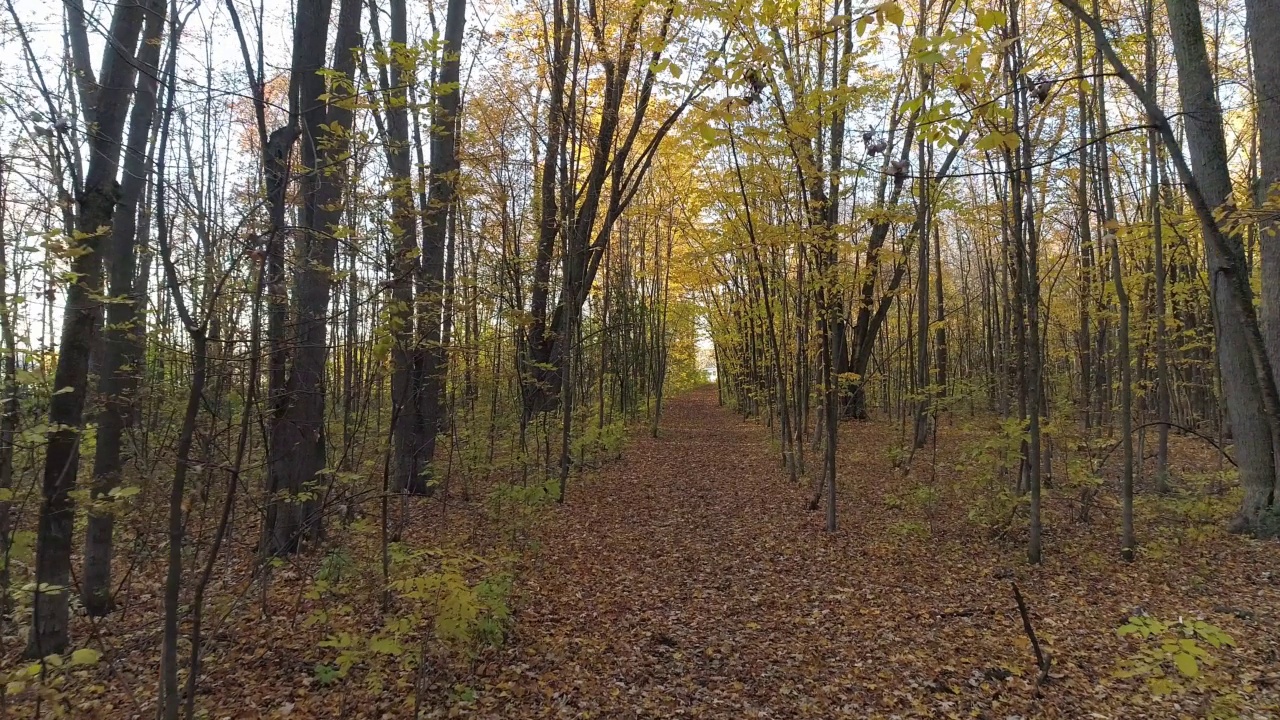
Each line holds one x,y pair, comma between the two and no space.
686,580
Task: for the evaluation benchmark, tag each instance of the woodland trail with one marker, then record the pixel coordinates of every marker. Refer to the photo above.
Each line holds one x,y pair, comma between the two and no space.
686,580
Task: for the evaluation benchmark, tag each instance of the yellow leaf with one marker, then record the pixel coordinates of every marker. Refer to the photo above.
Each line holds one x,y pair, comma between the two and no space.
892,12
85,656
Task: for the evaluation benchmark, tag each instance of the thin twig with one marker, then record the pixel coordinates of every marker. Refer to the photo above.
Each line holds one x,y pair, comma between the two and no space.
1216,446
1043,661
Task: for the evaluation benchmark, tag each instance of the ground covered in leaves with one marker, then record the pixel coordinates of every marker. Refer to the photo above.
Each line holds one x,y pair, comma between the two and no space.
686,579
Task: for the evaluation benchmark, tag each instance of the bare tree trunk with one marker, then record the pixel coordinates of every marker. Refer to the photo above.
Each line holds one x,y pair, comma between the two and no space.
410,434
199,336
1110,225
1264,29
297,435
123,357
1085,232
1022,194
9,407
440,202
923,217
1126,404
1240,376
940,333
107,107
1157,235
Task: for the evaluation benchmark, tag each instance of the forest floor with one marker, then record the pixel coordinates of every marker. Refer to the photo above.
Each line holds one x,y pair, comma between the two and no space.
687,579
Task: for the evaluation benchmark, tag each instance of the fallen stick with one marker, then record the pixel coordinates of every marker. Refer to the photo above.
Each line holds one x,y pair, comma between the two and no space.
1043,661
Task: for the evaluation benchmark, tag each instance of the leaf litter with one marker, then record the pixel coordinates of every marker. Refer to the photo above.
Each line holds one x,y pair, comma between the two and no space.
686,579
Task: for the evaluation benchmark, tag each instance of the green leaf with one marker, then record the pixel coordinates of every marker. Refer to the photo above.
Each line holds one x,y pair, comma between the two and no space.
385,646
988,19
893,13
85,656
1186,664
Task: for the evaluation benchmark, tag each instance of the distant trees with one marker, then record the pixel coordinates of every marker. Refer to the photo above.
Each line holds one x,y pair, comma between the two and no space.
313,295
1009,228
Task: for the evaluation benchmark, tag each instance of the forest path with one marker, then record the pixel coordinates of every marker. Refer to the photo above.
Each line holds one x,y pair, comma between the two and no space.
687,580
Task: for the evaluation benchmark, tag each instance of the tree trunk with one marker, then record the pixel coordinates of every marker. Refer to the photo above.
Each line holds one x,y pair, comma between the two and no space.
298,434
923,219
9,407
1157,236
410,433
123,357
1240,378
1264,29
81,317
440,202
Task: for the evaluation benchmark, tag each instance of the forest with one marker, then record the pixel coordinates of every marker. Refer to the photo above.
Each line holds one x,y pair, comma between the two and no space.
639,359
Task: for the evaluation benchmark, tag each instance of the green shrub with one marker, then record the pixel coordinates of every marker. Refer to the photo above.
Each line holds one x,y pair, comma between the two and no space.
1173,655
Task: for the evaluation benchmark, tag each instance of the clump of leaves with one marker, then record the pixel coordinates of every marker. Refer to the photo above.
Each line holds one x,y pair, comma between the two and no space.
47,676
515,507
898,454
986,469
923,499
448,605
1196,512
334,565
1174,655
909,530
598,443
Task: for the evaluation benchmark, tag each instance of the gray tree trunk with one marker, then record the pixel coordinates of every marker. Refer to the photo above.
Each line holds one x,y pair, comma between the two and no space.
1264,27
1207,148
406,352
297,436
95,210
443,191
122,356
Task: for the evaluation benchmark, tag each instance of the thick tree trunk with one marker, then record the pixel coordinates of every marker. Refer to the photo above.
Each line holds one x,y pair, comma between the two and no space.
1240,379
537,373
297,436
122,357
1264,28
410,433
442,195
81,317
